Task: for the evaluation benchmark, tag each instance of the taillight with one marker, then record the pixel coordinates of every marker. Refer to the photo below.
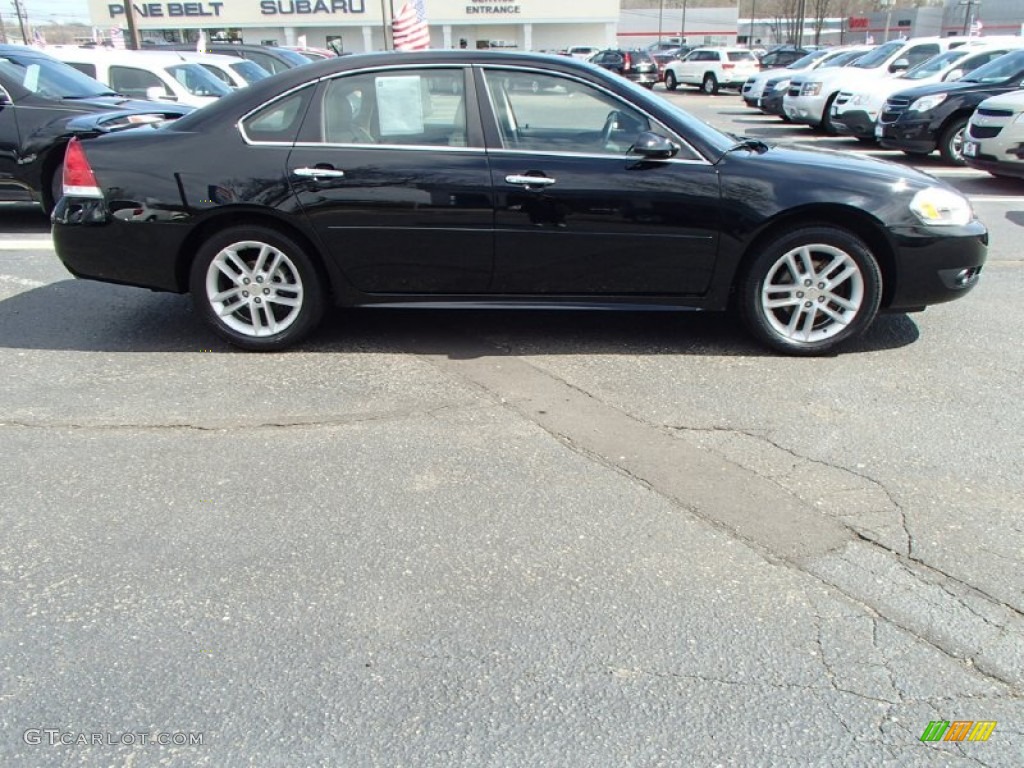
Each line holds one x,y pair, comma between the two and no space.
728,66
627,62
79,180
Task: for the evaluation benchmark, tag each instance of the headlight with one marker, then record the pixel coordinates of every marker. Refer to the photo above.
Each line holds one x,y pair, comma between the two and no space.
810,89
784,84
1019,118
927,103
939,207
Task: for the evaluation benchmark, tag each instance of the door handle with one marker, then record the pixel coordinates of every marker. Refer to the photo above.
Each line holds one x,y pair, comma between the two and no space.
319,173
530,181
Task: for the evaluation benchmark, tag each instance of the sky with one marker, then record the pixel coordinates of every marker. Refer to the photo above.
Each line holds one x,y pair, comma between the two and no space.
46,11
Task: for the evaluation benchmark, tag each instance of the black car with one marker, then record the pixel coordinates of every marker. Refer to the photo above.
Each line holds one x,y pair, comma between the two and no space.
43,103
782,56
921,120
354,182
271,58
635,64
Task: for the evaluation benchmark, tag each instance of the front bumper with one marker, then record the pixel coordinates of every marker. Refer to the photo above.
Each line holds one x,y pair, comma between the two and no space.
935,267
909,136
773,103
805,110
855,122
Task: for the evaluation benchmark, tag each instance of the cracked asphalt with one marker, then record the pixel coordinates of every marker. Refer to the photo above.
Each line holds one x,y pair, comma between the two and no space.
462,538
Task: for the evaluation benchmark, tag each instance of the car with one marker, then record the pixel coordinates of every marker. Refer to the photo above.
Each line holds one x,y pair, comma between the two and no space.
313,54
994,140
43,104
271,58
150,74
231,70
782,56
753,88
711,69
776,85
583,52
855,113
810,97
634,64
934,117
664,56
351,182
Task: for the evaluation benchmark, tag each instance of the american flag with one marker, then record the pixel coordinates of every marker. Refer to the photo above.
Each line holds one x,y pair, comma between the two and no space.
409,27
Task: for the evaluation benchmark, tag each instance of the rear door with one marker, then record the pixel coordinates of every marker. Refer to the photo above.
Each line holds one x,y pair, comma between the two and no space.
391,171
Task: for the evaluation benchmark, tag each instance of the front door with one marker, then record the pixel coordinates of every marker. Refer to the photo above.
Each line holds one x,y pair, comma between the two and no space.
575,213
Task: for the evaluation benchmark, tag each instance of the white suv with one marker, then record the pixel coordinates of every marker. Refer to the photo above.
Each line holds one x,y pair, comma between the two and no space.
994,139
810,97
712,68
855,112
753,89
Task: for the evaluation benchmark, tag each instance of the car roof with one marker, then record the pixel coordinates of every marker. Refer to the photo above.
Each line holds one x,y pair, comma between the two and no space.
149,57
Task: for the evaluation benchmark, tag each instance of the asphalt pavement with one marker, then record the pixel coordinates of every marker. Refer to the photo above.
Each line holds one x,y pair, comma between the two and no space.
509,539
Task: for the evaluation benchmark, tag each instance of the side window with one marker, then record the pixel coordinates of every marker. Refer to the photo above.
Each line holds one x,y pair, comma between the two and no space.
269,63
219,74
134,82
920,53
400,107
85,69
563,115
278,121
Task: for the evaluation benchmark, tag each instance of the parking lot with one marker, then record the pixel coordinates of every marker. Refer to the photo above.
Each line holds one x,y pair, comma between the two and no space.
510,539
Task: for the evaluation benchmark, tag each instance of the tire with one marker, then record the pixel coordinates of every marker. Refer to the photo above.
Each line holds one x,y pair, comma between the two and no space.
670,80
786,118
915,153
273,264
826,125
951,143
868,140
54,190
838,313
710,84
648,86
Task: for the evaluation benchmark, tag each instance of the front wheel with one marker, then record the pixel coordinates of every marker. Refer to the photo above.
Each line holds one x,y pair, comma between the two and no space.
951,143
670,80
811,290
826,125
710,84
257,288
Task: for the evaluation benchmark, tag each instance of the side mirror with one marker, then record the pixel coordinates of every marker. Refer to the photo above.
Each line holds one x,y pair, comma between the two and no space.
653,146
159,93
899,65
5,98
953,74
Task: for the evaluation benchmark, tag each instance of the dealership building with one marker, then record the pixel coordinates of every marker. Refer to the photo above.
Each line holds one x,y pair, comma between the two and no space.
359,25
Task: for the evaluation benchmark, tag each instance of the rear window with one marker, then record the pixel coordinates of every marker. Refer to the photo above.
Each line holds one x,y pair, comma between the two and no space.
640,56
741,56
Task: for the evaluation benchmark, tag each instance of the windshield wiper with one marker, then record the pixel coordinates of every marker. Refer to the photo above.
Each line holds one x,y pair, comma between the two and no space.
90,95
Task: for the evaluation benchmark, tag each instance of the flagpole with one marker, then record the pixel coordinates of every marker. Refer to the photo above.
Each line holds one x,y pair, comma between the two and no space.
384,22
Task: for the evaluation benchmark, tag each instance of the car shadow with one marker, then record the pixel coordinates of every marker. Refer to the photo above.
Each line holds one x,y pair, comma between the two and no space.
86,316
23,218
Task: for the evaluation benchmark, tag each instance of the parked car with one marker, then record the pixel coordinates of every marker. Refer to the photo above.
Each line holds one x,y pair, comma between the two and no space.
350,182
153,75
231,70
774,89
43,104
313,54
711,69
271,58
994,140
581,51
753,88
810,97
922,120
634,64
663,57
855,113
782,56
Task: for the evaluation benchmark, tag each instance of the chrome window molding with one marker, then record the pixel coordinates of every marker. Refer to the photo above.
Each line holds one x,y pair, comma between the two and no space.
599,156
407,147
239,124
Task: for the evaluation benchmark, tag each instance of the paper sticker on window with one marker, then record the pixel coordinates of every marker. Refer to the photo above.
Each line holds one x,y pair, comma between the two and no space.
400,105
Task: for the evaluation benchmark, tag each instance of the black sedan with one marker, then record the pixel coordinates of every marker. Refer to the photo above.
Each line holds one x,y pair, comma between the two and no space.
361,182
43,103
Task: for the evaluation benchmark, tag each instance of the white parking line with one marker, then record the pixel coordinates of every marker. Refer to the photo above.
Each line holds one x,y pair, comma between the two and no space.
23,244
996,198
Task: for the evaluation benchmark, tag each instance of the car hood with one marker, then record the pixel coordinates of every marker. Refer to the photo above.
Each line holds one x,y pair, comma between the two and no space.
948,88
1013,101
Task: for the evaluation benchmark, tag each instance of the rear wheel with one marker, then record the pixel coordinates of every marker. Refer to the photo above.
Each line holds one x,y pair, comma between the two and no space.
811,290
670,80
257,288
951,143
54,189
710,84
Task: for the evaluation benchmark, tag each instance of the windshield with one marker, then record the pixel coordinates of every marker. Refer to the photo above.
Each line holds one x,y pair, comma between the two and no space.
249,70
934,65
879,56
997,71
51,78
293,58
805,61
198,81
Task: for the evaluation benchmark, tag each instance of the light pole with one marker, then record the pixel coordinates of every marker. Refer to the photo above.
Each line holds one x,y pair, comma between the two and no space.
750,37
682,26
661,15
